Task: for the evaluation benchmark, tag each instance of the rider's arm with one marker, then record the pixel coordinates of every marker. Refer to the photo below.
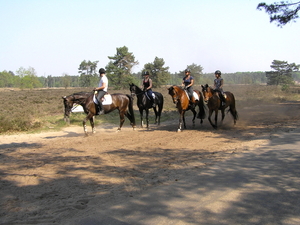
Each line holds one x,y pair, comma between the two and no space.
191,84
150,84
222,81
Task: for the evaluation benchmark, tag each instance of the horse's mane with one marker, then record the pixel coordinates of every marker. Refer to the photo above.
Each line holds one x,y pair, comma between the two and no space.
137,87
82,93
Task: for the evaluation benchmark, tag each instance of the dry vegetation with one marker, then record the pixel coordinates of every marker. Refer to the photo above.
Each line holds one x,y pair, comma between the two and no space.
42,109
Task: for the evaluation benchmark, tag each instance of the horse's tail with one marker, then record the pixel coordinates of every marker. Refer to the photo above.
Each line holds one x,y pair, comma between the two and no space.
232,109
202,114
130,108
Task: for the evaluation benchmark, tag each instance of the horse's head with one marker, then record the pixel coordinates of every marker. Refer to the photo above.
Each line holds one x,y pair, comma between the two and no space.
173,91
207,92
68,104
132,88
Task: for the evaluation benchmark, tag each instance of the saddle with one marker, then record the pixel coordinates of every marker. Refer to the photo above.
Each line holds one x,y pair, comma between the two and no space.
196,97
106,100
153,95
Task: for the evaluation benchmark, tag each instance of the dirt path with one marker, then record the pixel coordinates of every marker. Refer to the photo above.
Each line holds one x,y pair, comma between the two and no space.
48,177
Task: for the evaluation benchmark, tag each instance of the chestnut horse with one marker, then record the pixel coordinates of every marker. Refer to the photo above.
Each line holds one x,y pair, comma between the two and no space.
181,99
122,102
144,103
213,101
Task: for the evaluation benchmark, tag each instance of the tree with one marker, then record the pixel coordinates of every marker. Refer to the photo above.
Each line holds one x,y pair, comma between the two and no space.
28,78
6,79
88,73
281,12
283,74
196,72
159,74
120,67
66,80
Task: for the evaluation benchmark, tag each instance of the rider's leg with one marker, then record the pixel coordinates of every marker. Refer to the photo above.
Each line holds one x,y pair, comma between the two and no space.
99,97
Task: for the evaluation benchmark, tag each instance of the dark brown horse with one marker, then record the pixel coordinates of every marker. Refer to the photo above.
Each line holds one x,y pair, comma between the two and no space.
144,103
122,102
181,99
213,101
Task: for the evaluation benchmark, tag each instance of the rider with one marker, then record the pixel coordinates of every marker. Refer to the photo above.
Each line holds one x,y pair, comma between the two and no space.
102,89
218,86
188,82
147,85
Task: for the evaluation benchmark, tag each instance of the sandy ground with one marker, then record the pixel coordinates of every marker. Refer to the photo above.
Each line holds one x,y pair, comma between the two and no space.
49,177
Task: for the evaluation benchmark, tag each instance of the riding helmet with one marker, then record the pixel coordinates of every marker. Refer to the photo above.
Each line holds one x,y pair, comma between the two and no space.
145,73
102,71
187,70
218,72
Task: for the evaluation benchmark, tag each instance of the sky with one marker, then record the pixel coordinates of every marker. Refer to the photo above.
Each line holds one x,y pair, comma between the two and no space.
55,36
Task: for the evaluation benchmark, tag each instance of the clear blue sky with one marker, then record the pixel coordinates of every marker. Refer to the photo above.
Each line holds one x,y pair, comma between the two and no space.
55,36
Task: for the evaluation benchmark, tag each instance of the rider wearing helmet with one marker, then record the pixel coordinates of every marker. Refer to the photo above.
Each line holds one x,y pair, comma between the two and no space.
218,86
101,89
147,87
188,82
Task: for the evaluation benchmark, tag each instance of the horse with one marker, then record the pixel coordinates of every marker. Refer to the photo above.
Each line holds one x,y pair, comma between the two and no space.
181,99
144,103
211,97
122,102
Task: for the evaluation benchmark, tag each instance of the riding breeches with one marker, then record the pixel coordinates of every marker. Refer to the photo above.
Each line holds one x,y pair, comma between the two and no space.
100,95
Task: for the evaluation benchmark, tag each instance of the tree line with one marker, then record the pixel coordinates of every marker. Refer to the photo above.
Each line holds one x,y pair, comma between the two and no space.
119,73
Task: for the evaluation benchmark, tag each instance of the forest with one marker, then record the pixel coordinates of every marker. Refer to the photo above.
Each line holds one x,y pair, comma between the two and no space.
120,67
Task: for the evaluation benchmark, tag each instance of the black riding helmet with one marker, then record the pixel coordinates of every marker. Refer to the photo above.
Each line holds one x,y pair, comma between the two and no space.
145,73
187,70
218,72
102,71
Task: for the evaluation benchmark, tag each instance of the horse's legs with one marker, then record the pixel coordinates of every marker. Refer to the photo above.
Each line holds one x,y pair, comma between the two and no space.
156,115
122,119
216,118
159,114
141,116
147,118
88,117
131,119
92,122
209,119
223,115
194,113
181,120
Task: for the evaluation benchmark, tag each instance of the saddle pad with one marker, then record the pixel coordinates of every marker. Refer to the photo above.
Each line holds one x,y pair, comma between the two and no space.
107,100
195,96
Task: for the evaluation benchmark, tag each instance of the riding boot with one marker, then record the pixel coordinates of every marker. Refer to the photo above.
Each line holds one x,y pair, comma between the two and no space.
223,100
101,110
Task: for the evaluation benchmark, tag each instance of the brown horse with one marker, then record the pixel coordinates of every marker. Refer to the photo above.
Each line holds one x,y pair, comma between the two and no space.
213,101
122,102
181,99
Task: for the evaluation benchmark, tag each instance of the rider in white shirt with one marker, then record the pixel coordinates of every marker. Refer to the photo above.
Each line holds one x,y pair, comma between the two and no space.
102,89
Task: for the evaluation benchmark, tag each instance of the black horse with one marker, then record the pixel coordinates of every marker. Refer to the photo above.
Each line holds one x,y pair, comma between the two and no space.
122,102
144,103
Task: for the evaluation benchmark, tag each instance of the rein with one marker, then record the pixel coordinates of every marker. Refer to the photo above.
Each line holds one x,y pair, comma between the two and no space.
80,101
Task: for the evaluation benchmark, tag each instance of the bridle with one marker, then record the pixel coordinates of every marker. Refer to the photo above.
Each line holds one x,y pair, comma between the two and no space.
175,96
